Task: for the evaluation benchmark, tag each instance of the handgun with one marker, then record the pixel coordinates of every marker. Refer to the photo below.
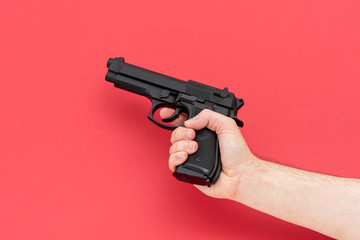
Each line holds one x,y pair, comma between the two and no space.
185,97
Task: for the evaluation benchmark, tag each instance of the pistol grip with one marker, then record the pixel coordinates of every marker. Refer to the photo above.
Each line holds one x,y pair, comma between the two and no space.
204,166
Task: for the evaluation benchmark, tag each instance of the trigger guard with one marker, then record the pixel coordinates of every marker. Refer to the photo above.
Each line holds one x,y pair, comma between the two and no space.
174,116
155,106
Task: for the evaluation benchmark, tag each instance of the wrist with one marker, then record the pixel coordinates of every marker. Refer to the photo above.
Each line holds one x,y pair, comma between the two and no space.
248,173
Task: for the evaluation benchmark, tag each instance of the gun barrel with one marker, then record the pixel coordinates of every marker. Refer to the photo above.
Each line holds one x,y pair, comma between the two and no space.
152,84
118,66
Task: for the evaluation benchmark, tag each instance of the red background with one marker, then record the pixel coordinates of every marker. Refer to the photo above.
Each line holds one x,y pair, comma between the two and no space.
80,160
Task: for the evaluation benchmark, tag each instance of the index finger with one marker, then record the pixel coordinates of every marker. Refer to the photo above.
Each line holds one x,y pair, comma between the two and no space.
167,112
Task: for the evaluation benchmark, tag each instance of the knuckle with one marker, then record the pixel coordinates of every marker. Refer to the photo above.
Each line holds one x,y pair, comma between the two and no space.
206,111
177,134
174,135
171,163
184,146
171,149
176,147
230,121
176,159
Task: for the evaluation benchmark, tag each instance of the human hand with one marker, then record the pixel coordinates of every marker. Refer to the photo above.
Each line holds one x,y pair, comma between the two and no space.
287,193
235,154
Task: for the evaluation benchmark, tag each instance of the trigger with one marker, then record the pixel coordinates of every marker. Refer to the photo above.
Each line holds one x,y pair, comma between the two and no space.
173,117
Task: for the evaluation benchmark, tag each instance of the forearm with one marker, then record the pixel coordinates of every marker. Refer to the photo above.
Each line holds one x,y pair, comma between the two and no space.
327,204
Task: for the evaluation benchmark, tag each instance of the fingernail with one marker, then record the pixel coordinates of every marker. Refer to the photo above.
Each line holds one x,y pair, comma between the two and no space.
191,145
188,134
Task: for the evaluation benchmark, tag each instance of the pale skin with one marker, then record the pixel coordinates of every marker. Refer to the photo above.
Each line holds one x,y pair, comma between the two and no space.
326,204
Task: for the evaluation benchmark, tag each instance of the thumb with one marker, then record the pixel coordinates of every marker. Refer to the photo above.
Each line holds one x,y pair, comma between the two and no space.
213,121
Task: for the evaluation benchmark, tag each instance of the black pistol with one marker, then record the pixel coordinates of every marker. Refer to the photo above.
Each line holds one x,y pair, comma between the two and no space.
190,98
